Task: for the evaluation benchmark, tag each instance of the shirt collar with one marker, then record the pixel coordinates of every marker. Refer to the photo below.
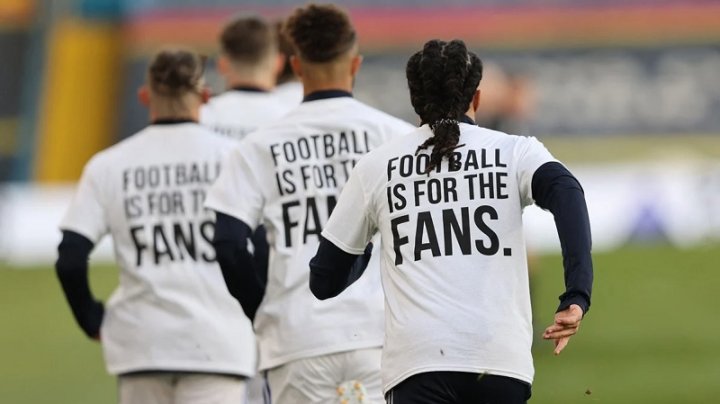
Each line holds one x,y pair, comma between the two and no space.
325,94
250,89
466,119
172,121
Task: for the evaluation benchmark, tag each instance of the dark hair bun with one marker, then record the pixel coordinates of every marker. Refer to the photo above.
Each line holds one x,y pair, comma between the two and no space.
174,73
320,33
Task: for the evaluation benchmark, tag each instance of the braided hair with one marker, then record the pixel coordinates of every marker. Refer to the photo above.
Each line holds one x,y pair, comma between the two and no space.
173,73
442,79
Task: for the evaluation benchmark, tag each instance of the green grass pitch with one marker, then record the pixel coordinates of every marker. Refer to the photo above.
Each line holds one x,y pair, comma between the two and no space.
652,336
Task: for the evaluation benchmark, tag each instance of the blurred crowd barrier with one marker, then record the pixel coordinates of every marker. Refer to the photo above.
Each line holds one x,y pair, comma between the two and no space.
673,202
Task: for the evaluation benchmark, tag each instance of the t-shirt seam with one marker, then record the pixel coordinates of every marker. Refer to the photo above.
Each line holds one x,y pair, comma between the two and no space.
342,245
365,200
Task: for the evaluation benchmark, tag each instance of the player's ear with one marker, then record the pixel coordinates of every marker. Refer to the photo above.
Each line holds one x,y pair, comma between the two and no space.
355,64
296,65
223,65
143,95
476,100
204,95
279,63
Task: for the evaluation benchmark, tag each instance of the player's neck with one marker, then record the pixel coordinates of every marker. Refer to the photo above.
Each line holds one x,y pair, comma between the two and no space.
312,86
334,75
263,82
185,107
264,85
188,115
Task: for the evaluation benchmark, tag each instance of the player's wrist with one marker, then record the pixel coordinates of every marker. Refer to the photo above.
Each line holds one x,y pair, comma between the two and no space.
93,320
581,301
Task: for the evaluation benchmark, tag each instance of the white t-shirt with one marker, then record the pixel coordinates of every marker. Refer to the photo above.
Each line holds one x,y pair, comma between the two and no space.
235,113
171,310
288,176
289,93
453,254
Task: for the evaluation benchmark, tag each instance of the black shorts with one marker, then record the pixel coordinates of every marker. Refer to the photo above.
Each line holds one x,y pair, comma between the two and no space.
459,388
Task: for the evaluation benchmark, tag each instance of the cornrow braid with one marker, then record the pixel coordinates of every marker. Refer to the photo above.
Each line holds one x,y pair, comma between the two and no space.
442,79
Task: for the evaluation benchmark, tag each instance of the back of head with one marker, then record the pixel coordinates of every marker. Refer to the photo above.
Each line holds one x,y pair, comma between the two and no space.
174,73
442,78
320,33
248,40
287,50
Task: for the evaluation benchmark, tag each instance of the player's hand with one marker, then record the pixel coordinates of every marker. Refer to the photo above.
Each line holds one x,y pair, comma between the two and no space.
92,320
567,324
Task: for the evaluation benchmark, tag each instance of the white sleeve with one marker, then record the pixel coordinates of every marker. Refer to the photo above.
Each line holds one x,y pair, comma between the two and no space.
350,226
86,214
237,192
532,154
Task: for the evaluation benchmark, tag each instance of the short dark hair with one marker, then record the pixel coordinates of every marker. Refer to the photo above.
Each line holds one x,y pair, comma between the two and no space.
248,39
442,78
285,46
320,33
172,73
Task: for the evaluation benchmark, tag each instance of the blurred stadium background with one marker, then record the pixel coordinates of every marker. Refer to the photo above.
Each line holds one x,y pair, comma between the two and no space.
625,92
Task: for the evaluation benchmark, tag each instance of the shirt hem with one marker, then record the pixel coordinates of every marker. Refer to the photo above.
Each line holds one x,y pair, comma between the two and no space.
182,367
339,244
81,230
445,368
227,210
310,353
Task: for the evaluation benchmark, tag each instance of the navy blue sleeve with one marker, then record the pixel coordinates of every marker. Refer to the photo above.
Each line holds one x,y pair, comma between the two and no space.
239,267
261,253
71,268
332,270
555,189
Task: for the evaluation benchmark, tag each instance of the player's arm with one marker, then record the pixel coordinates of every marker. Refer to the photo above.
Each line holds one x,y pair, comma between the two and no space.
555,189
83,225
238,265
261,253
345,247
237,199
72,271
332,270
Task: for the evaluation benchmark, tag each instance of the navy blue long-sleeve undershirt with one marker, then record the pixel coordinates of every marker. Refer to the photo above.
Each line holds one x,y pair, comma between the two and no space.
245,273
71,268
328,276
230,242
553,187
